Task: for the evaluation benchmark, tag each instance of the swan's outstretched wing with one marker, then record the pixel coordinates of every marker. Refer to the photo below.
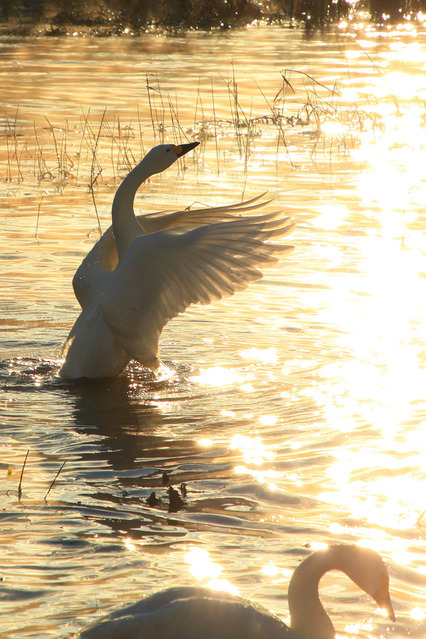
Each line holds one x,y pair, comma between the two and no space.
153,222
90,277
95,270
164,272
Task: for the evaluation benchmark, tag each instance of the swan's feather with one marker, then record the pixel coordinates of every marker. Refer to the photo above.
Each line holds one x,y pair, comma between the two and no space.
95,270
152,222
191,613
92,274
91,349
164,272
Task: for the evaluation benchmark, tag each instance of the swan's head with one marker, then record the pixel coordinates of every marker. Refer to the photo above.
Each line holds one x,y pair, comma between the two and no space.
367,569
162,156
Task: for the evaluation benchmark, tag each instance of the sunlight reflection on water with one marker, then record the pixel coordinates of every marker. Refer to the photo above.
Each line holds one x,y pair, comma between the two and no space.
382,318
295,412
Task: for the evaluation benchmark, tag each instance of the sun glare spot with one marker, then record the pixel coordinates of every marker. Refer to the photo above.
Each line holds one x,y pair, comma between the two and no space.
228,413
382,495
271,570
357,628
318,545
264,355
418,614
337,529
206,442
252,448
354,54
221,376
331,216
262,476
382,543
223,585
201,566
332,127
128,544
247,388
268,420
401,84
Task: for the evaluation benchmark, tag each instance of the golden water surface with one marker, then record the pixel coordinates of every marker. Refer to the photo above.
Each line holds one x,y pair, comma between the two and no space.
295,411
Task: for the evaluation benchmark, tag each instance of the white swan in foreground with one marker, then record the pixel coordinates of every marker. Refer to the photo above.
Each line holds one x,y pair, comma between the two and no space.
200,613
145,270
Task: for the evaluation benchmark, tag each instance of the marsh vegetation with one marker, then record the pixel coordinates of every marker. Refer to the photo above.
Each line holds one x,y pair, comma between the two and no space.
95,147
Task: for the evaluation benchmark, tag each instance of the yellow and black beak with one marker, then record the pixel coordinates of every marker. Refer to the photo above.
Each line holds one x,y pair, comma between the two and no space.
181,149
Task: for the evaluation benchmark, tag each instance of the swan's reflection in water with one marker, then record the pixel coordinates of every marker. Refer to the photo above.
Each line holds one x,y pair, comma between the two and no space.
136,465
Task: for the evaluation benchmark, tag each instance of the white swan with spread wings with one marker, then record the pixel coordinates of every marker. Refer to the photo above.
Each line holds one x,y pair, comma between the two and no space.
145,270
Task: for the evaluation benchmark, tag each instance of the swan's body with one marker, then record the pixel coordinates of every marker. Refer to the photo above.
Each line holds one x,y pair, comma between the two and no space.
199,613
145,270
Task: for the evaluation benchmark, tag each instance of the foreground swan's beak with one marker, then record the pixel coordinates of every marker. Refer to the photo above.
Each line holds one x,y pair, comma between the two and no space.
181,149
383,599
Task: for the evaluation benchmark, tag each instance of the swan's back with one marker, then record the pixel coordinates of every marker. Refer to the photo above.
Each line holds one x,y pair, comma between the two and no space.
191,613
200,613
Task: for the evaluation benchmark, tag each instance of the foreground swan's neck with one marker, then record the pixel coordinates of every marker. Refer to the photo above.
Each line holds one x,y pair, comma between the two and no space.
125,225
308,616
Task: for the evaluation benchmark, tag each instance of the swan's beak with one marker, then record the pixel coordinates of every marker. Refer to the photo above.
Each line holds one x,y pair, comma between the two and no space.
383,600
181,149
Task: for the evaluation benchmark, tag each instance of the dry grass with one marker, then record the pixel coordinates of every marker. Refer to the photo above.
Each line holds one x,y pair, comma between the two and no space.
101,148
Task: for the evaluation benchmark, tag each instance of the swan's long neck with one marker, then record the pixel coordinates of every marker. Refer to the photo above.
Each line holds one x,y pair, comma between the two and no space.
124,222
308,616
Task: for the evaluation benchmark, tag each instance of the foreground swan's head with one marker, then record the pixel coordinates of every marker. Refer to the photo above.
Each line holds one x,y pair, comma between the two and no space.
199,613
367,569
163,155
363,566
